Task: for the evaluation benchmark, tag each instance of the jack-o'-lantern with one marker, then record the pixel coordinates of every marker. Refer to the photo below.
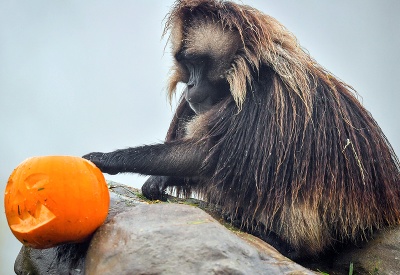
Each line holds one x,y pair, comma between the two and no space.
51,200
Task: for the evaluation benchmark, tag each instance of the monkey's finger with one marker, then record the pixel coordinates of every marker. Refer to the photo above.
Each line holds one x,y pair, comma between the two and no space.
100,160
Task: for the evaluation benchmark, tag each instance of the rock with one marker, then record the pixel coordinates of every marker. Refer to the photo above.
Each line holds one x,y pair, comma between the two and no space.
178,239
380,255
69,258
63,259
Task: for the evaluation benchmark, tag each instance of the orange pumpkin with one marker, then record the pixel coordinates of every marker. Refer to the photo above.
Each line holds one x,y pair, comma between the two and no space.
51,200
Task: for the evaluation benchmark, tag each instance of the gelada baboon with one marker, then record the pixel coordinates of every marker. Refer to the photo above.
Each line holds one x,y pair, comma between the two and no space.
265,132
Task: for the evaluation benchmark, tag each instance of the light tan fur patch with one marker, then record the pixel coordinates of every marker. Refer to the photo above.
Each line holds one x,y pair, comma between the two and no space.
196,128
208,37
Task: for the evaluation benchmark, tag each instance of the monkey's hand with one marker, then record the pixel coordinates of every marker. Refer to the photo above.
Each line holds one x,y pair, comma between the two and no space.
103,161
154,188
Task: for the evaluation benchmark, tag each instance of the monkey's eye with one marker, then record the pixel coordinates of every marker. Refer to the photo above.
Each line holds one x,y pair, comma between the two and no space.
195,63
191,64
194,58
184,72
179,56
188,65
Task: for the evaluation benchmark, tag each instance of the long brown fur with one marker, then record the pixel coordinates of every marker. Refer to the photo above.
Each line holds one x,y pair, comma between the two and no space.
295,150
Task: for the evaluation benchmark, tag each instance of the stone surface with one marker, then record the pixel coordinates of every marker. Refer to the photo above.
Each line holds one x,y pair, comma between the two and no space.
69,258
175,238
379,256
178,239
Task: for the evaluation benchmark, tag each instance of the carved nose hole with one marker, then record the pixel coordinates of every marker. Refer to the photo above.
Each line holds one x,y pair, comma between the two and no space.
190,85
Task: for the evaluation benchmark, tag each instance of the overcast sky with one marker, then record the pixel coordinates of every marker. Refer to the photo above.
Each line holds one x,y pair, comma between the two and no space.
81,76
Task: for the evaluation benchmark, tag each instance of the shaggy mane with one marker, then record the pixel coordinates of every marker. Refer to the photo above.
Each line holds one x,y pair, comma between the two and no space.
295,150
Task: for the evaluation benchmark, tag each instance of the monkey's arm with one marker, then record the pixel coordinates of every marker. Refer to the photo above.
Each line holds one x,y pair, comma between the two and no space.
176,159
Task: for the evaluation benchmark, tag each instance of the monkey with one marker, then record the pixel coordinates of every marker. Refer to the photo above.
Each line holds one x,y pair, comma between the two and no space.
265,132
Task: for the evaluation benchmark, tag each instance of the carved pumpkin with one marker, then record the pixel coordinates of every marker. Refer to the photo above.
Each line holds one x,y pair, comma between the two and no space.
51,200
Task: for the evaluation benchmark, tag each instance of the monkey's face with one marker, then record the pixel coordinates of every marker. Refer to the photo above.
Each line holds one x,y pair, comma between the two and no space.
202,89
204,59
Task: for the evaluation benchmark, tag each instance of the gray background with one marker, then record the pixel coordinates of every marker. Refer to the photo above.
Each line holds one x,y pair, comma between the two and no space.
82,76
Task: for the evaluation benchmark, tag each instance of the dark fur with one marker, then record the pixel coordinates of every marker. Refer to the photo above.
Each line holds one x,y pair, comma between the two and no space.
291,150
